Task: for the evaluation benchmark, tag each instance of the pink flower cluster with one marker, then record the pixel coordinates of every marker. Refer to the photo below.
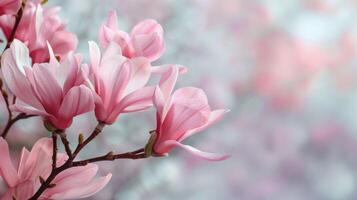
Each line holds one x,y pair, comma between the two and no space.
49,80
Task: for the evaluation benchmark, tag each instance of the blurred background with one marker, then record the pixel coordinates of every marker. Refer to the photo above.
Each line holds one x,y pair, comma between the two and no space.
286,69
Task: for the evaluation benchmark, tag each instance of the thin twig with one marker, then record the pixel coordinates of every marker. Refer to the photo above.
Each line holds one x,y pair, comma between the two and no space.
138,154
65,142
13,121
69,163
16,25
97,130
54,151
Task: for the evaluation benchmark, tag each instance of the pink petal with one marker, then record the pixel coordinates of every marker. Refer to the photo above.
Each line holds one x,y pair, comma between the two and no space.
47,88
21,54
112,55
63,42
94,53
106,35
159,103
39,160
150,46
83,191
140,74
74,75
146,27
168,80
7,169
53,60
73,177
115,86
23,159
9,7
189,109
20,106
163,68
77,101
14,74
214,117
198,153
138,100
112,21
24,190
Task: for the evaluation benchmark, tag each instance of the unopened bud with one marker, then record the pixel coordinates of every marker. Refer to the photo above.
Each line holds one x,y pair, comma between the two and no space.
49,126
110,155
149,146
42,180
52,185
4,94
80,138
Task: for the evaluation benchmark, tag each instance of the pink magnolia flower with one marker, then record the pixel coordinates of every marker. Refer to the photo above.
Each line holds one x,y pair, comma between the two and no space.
183,114
23,182
37,27
145,39
53,90
119,82
9,7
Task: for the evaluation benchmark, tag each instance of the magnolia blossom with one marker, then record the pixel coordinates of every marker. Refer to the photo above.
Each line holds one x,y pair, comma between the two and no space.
9,6
183,114
53,90
23,182
119,82
145,39
37,27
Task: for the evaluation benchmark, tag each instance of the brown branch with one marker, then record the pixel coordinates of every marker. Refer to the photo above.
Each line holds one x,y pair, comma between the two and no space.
138,154
65,143
16,25
69,163
13,121
54,151
97,130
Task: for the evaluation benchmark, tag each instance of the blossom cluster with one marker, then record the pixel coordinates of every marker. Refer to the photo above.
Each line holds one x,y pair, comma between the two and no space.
45,77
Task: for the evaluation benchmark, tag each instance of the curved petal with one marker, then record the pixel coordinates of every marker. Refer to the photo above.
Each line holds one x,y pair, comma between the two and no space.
21,54
83,191
47,88
38,162
77,101
15,79
22,107
138,100
146,27
113,94
163,68
9,7
168,80
63,42
214,117
198,153
112,21
7,169
140,74
159,103
23,159
94,54
188,109
72,177
150,46
74,74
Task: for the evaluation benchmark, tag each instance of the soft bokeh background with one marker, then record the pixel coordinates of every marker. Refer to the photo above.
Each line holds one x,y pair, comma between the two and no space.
286,69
